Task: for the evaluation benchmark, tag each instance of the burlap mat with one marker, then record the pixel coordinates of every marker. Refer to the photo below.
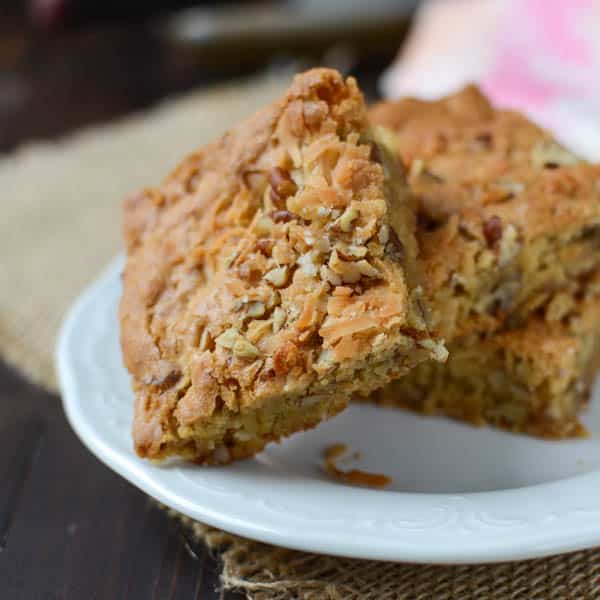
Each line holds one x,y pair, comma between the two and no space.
60,226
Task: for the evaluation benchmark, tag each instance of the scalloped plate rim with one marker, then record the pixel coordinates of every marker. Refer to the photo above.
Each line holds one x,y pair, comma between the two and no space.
349,540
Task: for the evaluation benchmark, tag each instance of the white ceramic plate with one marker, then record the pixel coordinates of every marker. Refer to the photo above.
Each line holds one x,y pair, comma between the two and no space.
459,494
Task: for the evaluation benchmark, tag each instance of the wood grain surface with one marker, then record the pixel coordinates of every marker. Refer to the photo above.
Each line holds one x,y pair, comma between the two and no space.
71,528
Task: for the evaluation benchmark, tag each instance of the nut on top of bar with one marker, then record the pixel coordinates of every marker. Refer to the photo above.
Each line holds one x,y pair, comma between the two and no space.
272,275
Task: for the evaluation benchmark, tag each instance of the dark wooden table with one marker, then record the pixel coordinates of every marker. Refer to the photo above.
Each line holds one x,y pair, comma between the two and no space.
69,527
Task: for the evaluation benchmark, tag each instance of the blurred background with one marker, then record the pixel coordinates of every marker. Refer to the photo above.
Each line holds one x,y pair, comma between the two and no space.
68,63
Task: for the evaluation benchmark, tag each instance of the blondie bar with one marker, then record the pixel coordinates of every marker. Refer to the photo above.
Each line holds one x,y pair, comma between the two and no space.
271,275
509,227
509,220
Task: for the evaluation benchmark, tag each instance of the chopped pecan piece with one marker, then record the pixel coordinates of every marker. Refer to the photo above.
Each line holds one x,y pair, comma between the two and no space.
265,246
282,216
483,140
282,186
492,231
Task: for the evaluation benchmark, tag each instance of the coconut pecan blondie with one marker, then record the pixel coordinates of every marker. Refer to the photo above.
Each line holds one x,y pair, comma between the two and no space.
271,275
509,220
509,226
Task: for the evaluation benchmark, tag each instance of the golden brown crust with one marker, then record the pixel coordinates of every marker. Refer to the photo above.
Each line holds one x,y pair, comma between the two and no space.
517,215
271,268
509,233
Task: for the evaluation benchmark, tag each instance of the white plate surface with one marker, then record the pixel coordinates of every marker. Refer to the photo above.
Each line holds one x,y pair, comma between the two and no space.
459,494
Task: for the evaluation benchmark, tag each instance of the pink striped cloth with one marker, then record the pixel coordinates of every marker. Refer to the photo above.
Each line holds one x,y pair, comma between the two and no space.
538,56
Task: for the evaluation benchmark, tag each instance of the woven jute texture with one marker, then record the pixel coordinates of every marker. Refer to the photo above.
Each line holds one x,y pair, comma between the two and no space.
265,572
60,226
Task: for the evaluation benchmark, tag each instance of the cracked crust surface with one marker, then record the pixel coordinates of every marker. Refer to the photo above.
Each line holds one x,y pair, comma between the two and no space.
516,214
269,277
